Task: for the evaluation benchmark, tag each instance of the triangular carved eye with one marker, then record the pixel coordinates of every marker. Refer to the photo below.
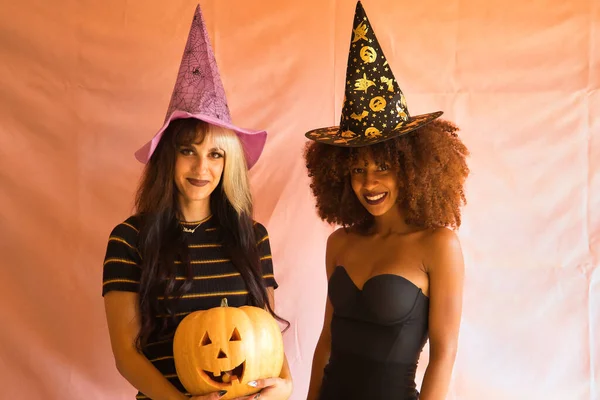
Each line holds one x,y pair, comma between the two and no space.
206,340
235,336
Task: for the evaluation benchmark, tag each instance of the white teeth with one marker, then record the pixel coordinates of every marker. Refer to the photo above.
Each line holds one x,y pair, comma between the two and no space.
375,198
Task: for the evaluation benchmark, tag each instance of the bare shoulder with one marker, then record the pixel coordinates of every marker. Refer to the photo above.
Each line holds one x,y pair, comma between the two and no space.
443,249
442,238
335,242
337,237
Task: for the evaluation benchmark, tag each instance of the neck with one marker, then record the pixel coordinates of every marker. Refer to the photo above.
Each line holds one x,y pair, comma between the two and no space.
391,222
192,211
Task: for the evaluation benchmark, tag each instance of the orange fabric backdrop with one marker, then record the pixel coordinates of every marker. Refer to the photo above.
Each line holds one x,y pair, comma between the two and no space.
83,84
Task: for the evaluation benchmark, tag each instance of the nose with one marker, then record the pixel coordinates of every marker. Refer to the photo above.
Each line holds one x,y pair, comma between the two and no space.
222,354
201,164
370,180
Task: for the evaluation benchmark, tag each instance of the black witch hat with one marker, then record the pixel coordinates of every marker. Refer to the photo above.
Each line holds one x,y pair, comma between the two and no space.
374,107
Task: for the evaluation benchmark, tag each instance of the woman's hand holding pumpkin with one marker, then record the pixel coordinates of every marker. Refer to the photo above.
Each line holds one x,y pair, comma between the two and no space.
272,389
210,396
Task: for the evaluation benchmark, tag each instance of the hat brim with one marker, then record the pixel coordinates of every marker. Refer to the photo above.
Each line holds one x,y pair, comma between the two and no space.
253,141
335,137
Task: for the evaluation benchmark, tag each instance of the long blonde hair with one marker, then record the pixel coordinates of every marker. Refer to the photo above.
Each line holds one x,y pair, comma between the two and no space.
235,182
161,239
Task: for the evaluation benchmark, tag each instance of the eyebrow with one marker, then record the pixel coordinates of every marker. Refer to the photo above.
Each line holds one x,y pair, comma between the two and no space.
212,149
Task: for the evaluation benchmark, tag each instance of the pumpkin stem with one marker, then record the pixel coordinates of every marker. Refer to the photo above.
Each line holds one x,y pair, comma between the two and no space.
224,302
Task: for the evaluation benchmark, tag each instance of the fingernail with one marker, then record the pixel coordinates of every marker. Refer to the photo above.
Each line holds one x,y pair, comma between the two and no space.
253,384
222,393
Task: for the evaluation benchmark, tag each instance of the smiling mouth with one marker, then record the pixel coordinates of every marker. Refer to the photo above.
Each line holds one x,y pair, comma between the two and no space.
197,182
226,378
375,198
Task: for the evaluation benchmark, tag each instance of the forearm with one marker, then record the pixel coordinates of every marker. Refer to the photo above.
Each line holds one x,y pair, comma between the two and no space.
320,359
437,377
285,370
140,373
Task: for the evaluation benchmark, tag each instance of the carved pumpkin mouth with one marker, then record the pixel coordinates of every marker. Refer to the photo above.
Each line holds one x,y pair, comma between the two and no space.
226,378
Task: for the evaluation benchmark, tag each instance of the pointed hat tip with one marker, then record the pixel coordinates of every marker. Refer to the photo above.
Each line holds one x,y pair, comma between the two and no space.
360,10
198,12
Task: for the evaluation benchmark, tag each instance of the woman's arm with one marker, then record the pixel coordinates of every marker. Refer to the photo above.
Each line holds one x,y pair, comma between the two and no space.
285,370
445,267
323,348
123,325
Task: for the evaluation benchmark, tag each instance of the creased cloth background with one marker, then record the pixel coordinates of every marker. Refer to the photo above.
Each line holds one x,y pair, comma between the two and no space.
83,84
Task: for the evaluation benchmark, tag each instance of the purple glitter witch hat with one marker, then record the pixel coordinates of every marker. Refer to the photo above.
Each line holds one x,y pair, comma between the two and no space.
199,93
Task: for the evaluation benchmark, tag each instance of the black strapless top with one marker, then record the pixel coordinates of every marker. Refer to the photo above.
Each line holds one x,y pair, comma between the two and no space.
377,335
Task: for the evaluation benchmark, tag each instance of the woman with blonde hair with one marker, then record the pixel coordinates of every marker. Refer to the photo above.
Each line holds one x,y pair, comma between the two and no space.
192,240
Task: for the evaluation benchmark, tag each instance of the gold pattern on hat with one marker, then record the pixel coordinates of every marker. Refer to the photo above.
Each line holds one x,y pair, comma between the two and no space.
360,33
401,112
414,122
372,132
363,83
389,82
374,108
377,103
403,100
368,54
361,116
341,140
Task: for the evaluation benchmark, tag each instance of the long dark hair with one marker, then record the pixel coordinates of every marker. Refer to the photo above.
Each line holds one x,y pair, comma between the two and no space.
161,239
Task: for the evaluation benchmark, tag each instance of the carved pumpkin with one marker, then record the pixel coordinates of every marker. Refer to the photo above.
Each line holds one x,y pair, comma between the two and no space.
224,348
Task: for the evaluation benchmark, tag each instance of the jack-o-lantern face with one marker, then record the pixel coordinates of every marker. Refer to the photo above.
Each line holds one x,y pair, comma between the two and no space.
227,356
377,103
224,348
372,132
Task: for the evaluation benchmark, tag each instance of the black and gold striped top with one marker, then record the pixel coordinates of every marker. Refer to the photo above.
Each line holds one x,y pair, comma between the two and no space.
215,277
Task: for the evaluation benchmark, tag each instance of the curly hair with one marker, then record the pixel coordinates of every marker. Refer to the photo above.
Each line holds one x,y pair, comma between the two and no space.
431,166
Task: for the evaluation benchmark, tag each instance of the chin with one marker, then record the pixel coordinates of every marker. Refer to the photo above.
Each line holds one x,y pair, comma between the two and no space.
378,210
377,214
197,195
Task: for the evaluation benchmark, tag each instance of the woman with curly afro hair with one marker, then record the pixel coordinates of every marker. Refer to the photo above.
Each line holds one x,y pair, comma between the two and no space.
394,183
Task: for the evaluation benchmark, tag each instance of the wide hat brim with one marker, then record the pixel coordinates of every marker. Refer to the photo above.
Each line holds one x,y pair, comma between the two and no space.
253,141
335,136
